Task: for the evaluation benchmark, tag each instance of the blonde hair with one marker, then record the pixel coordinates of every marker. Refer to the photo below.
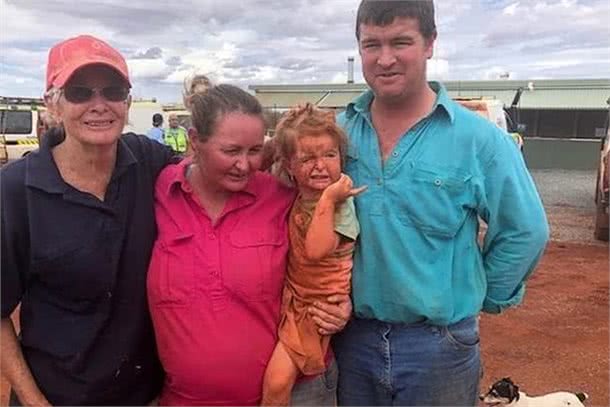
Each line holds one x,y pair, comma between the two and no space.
194,84
304,120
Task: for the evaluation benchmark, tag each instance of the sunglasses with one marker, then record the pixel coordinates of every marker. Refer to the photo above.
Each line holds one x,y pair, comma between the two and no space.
82,94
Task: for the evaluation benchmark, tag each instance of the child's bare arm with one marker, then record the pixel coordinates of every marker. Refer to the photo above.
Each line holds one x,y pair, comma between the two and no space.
321,238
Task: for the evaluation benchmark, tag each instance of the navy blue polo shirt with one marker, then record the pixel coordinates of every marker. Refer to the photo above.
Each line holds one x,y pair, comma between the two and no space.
78,266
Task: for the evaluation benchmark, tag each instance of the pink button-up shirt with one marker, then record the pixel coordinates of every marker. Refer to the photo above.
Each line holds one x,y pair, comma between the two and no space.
214,290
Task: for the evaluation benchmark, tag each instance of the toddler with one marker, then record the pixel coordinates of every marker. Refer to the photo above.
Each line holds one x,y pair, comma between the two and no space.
322,226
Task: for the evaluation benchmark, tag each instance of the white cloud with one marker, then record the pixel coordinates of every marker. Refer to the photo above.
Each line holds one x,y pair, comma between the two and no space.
511,10
438,69
147,68
276,41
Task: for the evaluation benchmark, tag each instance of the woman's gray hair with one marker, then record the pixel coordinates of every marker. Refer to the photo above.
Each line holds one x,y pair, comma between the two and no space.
51,100
52,95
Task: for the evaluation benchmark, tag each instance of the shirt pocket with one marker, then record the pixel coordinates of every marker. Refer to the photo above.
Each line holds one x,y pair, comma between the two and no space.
75,275
256,265
437,199
171,274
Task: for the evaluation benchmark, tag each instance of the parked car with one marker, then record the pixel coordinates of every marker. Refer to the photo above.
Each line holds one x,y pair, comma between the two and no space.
18,121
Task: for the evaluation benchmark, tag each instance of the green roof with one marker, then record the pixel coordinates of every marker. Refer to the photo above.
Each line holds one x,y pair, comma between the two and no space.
537,94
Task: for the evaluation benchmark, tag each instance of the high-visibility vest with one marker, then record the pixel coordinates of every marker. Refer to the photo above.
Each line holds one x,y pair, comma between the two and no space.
176,139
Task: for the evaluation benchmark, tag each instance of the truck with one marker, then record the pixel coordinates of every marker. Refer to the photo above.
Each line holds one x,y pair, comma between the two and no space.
601,185
18,126
20,120
495,111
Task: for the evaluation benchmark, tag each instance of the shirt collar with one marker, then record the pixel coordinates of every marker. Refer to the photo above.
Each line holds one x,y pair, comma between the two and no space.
362,103
42,172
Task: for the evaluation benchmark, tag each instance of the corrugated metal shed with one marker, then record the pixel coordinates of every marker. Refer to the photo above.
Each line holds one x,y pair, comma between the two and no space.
565,99
577,94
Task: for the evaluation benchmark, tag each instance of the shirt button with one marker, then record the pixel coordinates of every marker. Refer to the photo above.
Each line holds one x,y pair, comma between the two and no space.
395,154
437,182
380,181
109,294
212,236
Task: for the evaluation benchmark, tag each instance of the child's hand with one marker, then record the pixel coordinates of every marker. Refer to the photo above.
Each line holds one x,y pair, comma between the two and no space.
342,189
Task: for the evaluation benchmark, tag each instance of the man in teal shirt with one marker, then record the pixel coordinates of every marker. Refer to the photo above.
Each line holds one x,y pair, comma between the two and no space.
433,168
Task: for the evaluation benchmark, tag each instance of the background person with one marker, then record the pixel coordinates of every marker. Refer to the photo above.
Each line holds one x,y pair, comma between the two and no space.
322,230
175,135
156,132
218,266
77,232
419,279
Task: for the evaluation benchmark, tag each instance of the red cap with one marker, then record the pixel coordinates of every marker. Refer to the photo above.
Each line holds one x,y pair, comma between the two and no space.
72,54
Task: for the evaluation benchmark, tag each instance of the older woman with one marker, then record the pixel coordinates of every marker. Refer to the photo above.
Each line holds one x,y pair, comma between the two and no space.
77,233
218,266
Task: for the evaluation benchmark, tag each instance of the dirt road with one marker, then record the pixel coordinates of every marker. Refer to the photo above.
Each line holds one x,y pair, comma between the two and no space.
558,338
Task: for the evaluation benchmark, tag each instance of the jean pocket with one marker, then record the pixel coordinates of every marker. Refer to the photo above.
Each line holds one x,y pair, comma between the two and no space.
330,377
463,334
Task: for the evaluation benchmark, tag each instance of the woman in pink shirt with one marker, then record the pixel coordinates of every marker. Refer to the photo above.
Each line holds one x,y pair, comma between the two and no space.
218,265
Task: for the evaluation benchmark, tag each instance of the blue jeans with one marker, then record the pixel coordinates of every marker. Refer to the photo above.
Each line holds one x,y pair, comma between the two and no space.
384,364
319,391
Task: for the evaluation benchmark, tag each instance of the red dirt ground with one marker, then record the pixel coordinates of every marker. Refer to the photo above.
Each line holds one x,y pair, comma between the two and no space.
558,338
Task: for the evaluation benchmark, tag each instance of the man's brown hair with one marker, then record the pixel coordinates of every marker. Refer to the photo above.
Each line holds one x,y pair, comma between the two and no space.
384,12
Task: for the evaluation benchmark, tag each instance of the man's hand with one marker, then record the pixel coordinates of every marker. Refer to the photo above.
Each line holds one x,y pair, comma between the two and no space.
332,315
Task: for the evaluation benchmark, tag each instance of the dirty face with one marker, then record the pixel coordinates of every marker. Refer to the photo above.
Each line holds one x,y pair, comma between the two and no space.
316,164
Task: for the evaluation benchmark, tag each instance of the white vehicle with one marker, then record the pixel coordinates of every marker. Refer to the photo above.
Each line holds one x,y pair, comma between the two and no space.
491,109
494,111
140,115
18,124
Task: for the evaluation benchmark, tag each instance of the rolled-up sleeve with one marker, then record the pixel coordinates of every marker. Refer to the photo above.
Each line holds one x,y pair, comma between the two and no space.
517,226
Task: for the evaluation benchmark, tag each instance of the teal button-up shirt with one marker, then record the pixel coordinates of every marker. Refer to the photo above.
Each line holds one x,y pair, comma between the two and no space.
417,257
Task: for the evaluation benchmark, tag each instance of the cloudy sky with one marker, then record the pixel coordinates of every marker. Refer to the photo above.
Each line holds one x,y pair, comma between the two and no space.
247,42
